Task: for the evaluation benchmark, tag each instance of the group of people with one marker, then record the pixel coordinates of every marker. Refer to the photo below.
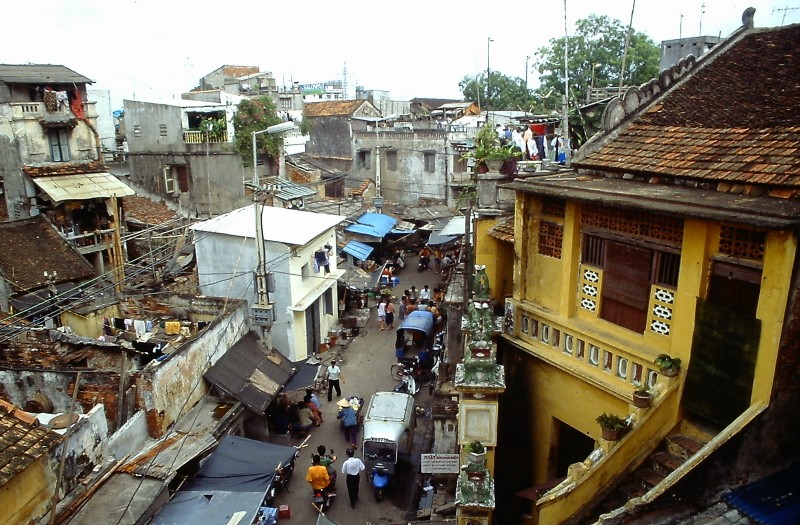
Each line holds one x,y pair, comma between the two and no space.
297,417
322,476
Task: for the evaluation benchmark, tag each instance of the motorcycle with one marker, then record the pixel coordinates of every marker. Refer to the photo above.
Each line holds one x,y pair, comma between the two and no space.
323,497
283,474
424,264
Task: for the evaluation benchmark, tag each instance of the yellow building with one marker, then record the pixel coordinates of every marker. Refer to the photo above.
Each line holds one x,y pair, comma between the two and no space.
676,235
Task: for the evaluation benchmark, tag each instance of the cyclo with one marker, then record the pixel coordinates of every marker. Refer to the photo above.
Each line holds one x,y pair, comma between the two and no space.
415,351
388,433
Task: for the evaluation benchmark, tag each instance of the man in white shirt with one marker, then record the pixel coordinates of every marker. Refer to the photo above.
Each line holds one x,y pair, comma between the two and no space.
352,468
333,380
425,294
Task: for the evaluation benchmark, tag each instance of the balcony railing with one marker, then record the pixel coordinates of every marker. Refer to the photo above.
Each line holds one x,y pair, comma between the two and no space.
89,242
36,110
200,137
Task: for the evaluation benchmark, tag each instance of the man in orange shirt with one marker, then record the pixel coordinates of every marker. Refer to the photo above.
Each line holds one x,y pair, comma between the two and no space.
317,475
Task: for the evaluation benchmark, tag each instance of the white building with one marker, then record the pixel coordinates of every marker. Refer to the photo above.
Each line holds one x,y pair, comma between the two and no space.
304,294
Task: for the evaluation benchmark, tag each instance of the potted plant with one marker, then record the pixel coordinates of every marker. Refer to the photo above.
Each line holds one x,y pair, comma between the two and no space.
670,366
477,452
612,426
642,397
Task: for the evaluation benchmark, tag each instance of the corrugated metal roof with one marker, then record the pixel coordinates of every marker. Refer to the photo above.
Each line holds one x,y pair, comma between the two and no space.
359,250
83,186
373,224
774,500
289,190
251,374
241,223
456,226
40,74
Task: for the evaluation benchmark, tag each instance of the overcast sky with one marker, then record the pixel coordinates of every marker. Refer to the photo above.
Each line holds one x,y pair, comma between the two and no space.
156,49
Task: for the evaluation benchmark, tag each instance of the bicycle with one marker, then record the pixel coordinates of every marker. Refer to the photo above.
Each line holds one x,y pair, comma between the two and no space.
422,376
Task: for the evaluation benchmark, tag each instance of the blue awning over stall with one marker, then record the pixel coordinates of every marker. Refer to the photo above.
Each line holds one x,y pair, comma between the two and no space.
359,250
372,224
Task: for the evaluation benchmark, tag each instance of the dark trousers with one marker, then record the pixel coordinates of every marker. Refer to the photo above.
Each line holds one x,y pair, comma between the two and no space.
351,434
352,487
334,383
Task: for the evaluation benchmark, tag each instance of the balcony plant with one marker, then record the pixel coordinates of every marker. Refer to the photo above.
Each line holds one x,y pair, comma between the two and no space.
489,153
612,426
642,397
669,366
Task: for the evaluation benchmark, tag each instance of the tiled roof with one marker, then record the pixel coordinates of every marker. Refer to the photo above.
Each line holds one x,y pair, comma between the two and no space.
503,230
54,169
22,442
147,211
40,74
333,108
733,119
38,248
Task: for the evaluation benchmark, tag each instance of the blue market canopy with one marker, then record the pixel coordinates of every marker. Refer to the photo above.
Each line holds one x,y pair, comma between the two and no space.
372,224
231,483
359,250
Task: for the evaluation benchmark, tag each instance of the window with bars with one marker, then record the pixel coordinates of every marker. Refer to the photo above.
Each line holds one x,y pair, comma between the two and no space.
162,129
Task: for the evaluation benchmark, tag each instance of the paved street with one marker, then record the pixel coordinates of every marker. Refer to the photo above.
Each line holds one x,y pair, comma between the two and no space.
367,360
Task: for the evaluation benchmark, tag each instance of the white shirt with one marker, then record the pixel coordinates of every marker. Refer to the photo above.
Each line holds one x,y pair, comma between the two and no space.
352,466
425,294
333,372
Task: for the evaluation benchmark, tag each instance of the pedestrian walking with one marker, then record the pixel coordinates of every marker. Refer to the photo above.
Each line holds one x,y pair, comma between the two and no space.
382,315
352,468
437,258
334,372
401,310
349,421
389,314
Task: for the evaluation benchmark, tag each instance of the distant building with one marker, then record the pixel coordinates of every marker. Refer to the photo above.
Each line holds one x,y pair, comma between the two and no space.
672,51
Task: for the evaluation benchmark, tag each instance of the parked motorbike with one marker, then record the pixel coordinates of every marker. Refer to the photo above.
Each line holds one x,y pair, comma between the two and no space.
283,474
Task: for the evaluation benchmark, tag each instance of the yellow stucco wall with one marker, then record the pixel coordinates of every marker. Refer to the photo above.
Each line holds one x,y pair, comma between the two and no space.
574,390
497,256
91,324
26,496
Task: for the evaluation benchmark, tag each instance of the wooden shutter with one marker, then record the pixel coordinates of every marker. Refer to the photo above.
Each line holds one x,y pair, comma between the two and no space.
626,285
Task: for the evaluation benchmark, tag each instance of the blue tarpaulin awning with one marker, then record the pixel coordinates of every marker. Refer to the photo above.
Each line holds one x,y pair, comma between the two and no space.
359,250
372,224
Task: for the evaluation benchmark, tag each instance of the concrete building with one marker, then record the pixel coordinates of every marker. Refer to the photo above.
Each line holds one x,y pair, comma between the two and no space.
675,240
333,124
51,159
172,156
672,51
301,258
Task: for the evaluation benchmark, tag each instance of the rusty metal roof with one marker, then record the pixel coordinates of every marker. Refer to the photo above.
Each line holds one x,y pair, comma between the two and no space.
732,119
251,374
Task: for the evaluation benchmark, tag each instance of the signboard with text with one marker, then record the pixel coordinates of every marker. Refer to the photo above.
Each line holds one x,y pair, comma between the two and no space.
440,464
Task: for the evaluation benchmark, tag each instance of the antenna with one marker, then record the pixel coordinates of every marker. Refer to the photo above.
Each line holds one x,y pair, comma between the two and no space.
344,82
785,10
702,11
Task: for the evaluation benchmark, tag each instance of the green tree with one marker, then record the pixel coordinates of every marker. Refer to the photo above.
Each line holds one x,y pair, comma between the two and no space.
595,58
505,93
255,115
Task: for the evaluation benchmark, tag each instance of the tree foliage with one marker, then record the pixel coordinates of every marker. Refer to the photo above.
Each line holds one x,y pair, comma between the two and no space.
256,115
595,57
504,92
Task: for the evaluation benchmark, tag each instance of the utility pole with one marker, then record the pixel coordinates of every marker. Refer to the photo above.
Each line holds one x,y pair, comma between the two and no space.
526,74
565,103
488,75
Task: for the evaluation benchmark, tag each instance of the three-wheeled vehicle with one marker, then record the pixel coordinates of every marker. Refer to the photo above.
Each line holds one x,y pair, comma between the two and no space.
388,434
416,330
